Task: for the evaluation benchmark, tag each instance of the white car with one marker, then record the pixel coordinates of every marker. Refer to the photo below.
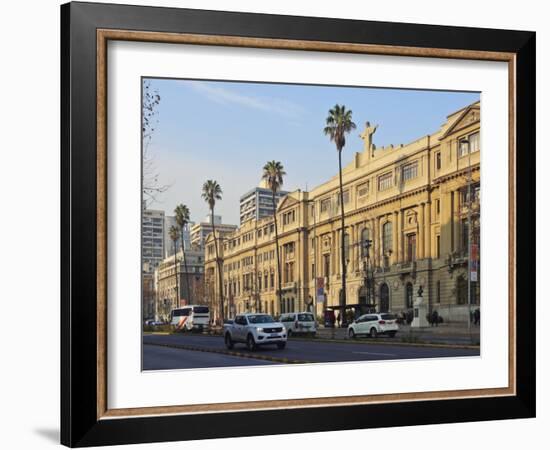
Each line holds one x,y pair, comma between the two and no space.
374,324
254,330
299,323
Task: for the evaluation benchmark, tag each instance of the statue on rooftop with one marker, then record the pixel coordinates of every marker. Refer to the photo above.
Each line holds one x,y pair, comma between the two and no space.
367,137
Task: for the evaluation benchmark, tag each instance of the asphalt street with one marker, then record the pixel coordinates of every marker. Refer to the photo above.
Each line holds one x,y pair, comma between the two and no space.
159,357
162,358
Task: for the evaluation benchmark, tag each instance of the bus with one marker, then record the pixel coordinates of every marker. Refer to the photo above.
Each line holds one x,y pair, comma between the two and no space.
190,318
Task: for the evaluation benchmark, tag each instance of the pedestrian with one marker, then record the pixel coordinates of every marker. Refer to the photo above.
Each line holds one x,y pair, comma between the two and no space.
476,317
338,319
435,317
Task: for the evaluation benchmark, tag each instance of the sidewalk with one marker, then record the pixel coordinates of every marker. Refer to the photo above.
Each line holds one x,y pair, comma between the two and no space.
448,333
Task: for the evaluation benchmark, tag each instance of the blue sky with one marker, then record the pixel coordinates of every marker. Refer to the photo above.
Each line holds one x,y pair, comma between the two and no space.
227,131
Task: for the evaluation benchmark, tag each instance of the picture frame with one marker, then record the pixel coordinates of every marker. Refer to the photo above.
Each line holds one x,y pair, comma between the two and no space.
86,28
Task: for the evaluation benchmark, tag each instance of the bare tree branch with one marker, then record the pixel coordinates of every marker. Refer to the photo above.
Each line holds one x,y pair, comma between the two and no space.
149,114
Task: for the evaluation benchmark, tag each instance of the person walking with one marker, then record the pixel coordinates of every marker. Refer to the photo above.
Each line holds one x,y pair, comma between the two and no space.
435,318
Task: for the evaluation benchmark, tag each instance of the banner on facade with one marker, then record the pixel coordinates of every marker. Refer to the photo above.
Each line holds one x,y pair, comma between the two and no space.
320,289
474,263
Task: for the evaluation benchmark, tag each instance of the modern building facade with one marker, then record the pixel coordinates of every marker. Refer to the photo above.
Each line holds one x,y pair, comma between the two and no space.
199,231
411,221
170,221
152,239
258,202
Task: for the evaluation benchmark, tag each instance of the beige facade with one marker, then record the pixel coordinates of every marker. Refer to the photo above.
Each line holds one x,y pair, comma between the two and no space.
410,200
190,283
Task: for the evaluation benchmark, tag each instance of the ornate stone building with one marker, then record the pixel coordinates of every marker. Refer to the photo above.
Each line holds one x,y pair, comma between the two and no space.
190,284
410,223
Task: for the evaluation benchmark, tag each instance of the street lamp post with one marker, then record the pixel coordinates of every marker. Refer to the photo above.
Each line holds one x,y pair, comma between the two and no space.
466,143
315,268
368,279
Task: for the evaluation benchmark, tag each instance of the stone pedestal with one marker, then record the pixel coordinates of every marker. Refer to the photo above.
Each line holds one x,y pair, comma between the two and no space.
420,310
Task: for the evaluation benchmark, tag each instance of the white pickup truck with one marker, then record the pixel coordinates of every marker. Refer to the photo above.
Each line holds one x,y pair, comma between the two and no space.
254,330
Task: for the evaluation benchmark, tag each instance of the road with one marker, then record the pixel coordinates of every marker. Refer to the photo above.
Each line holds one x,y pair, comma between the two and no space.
209,351
162,358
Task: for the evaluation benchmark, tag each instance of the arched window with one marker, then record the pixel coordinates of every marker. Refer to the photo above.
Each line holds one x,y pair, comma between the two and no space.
409,295
346,247
387,237
461,290
365,245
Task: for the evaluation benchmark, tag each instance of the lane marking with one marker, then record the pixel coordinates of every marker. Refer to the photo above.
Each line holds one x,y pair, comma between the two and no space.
374,353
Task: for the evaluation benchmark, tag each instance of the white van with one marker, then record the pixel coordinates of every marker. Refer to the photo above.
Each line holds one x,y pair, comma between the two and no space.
299,323
190,318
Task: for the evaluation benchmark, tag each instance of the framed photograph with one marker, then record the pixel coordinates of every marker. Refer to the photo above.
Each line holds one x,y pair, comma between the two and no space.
278,224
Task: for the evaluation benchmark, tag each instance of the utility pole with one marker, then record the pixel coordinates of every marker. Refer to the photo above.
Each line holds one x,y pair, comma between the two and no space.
466,142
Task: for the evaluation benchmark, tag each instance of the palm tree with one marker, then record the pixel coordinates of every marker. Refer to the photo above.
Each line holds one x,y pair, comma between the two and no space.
174,236
273,175
211,191
182,219
338,123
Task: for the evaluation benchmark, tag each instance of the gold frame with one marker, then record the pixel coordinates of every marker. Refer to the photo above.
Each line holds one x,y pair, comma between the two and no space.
103,36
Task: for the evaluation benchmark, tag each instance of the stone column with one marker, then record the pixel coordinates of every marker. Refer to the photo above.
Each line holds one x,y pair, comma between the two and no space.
455,220
334,253
428,232
421,230
379,240
352,248
395,257
400,236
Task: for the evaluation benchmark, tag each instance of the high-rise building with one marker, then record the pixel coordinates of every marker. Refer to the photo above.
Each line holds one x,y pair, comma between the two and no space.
258,202
152,239
200,230
170,221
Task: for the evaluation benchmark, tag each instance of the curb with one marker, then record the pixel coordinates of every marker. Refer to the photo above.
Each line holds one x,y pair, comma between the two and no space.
357,341
395,342
230,353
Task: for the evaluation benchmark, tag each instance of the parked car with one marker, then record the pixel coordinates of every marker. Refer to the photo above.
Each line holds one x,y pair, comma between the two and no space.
299,323
254,330
374,324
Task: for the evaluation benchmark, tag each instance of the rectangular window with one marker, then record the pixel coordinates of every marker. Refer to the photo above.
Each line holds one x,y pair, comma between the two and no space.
438,161
363,189
438,246
325,205
437,207
327,265
474,142
346,198
411,247
468,143
409,171
385,181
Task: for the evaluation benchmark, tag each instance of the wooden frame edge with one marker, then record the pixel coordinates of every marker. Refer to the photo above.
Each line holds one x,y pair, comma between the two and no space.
103,36
289,44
